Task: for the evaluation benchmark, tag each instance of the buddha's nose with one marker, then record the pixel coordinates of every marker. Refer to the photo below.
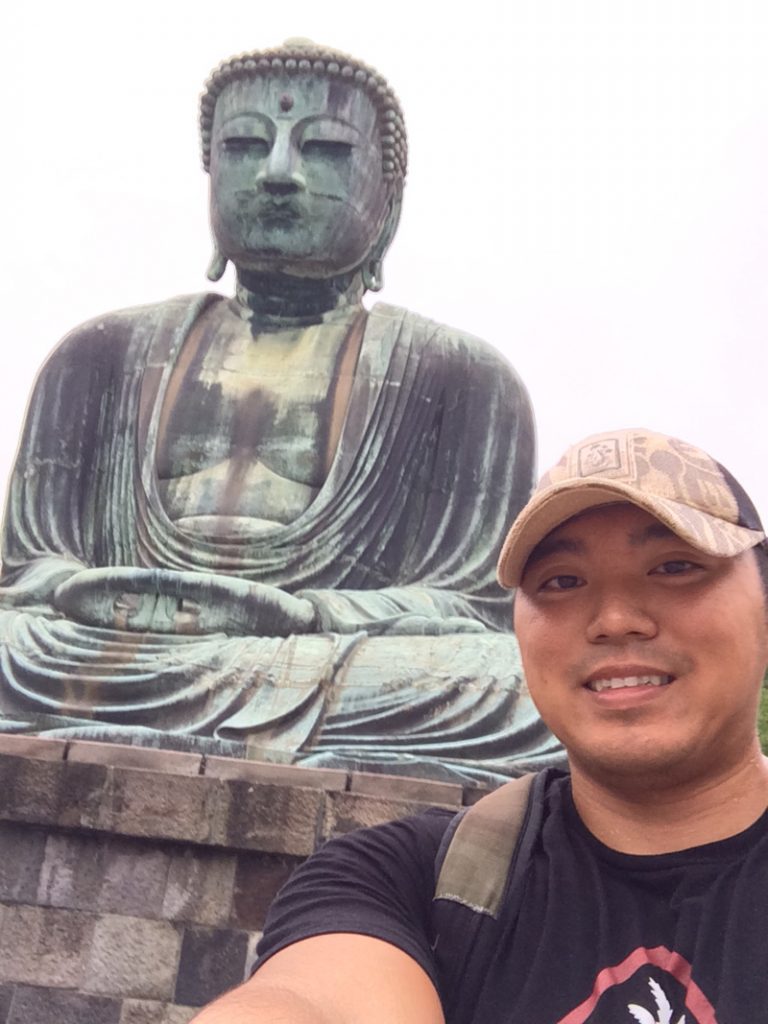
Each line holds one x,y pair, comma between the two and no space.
280,174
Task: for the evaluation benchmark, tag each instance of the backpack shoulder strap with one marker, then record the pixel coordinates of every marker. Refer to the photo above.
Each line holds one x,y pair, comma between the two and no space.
487,847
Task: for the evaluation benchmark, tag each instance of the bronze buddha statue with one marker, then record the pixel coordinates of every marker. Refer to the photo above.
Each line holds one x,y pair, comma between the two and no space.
267,525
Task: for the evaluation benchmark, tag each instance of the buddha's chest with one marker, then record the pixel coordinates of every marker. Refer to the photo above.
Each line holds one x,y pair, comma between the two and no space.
273,401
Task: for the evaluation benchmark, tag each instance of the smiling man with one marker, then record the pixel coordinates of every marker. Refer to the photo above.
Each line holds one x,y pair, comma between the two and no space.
635,888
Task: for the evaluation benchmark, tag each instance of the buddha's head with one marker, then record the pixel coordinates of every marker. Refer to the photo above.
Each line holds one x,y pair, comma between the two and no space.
306,152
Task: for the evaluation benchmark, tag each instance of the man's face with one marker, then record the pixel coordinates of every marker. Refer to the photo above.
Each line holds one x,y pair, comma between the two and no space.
296,175
644,656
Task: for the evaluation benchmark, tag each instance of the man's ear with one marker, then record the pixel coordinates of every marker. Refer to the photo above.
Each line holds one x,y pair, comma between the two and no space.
760,555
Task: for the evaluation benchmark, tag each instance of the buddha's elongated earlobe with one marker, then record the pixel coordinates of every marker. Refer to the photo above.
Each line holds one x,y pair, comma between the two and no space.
217,266
373,276
371,271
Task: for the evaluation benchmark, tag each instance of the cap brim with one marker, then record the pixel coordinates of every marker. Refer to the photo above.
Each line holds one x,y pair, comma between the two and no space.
553,506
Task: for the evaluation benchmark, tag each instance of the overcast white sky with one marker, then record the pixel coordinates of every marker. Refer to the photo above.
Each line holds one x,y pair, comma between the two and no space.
588,190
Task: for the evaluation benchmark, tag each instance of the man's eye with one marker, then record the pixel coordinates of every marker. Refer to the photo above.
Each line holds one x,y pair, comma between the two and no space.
328,149
239,145
564,582
675,567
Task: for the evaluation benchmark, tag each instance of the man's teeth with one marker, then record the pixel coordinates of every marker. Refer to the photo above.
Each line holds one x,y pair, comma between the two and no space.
614,684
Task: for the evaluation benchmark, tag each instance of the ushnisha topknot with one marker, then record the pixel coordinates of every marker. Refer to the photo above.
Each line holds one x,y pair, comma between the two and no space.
303,57
685,489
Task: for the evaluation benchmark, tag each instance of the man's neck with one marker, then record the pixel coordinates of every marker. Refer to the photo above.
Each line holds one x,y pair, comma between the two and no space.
663,818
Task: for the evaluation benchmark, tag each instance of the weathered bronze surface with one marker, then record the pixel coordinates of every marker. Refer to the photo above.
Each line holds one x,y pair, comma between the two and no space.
267,525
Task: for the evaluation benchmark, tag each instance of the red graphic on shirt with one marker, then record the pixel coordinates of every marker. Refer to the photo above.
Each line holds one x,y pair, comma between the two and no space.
659,957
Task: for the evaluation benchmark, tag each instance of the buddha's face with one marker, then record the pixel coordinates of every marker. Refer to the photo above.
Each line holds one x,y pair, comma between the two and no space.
296,175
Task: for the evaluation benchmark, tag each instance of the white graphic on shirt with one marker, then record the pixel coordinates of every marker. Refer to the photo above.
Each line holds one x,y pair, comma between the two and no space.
663,1008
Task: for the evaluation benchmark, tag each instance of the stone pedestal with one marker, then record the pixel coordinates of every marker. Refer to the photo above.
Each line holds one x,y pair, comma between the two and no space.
134,882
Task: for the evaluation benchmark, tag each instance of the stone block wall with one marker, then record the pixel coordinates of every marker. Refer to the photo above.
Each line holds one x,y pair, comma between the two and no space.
134,882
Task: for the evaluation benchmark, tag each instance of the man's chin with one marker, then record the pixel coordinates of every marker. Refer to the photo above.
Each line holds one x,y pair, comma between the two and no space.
639,767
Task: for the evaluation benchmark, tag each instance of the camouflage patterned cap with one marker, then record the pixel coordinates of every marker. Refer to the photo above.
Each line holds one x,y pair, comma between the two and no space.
680,485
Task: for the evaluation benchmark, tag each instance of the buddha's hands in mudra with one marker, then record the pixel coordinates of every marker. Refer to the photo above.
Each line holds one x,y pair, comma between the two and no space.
166,601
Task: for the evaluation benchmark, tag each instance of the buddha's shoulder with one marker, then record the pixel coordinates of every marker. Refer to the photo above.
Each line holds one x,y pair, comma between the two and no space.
448,344
115,329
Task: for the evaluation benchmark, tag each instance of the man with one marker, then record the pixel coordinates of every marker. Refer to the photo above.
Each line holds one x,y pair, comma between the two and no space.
642,617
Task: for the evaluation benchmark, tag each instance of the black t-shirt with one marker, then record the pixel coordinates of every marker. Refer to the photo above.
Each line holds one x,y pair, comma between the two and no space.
592,937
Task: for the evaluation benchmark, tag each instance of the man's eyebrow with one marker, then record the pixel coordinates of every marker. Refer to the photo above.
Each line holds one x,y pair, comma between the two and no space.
567,545
655,531
554,546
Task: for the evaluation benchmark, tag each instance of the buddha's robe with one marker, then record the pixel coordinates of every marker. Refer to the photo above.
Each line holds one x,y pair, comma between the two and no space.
434,458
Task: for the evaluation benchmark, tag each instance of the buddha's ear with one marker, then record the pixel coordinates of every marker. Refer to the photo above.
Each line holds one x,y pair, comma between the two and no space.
217,266
372,273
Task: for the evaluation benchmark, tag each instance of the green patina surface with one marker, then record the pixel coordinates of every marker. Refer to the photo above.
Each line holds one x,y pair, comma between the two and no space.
270,522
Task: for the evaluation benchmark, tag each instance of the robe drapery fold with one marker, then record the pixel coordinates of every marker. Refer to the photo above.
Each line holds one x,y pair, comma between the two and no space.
434,459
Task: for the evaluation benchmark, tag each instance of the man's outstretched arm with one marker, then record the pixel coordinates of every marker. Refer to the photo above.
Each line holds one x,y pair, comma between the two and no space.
332,979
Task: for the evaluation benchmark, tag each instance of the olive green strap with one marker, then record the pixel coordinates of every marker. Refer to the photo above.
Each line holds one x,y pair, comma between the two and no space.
482,848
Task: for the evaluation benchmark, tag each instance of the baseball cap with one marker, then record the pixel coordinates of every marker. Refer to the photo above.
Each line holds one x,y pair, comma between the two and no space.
685,489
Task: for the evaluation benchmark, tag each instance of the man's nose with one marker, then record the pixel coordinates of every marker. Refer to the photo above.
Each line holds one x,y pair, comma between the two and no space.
620,615
280,173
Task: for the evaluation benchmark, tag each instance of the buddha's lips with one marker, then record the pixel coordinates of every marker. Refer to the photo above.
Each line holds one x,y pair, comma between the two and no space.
280,212
265,206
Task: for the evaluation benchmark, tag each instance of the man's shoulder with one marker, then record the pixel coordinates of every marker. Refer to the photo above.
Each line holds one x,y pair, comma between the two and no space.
406,846
376,881
420,835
